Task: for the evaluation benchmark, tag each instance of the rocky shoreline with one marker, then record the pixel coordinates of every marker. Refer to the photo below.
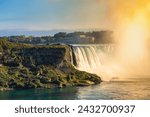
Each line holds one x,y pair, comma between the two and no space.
24,66
6,89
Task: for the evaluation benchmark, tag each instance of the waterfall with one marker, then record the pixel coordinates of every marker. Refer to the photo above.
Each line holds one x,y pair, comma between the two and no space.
96,59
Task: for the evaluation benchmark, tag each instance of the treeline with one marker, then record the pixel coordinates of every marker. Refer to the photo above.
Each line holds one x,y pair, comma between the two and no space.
95,37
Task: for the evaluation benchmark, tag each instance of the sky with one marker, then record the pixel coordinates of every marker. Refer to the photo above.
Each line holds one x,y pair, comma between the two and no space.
53,14
57,15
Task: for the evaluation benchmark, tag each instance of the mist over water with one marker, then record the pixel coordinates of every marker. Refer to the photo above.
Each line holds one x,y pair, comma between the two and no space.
130,55
106,61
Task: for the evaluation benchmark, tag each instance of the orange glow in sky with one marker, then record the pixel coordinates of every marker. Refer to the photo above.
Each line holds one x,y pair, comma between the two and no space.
133,34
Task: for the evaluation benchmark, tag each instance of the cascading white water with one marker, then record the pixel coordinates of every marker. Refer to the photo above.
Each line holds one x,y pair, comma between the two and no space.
95,59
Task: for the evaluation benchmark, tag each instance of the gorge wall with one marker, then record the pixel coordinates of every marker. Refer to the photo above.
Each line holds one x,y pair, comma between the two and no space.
28,66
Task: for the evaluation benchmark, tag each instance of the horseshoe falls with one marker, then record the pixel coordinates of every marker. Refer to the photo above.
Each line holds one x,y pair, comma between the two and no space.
96,59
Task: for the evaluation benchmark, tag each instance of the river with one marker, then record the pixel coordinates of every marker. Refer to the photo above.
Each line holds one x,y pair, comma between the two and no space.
129,89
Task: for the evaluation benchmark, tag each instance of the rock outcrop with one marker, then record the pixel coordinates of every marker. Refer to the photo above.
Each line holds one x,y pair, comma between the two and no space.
25,66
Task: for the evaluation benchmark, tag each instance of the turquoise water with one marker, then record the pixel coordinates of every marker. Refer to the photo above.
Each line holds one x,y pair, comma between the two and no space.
115,89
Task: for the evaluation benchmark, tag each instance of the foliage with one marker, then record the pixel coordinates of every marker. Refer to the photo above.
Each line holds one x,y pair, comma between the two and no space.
27,66
69,38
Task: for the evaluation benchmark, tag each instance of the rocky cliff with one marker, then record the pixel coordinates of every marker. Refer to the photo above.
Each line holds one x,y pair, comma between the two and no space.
27,66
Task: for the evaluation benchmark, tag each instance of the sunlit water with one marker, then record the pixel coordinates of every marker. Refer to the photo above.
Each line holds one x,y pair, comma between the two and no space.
116,89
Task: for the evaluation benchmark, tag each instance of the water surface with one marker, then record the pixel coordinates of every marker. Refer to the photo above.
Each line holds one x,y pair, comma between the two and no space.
134,89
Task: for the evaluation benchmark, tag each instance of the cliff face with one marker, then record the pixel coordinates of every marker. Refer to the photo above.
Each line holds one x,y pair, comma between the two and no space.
41,56
28,66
